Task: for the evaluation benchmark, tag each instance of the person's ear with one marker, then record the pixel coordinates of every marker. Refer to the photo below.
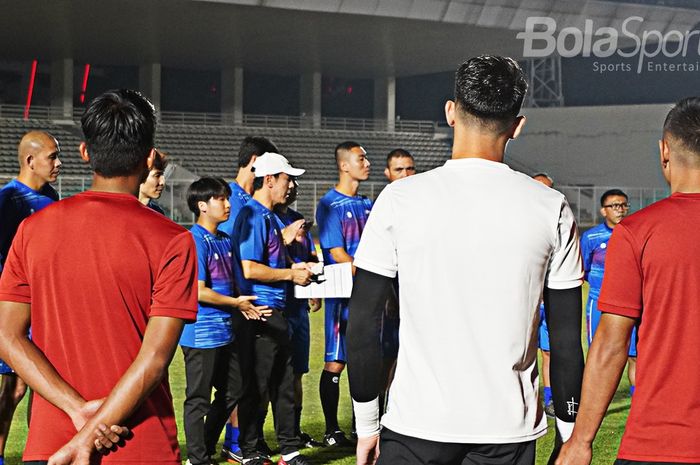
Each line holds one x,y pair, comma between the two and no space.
664,154
517,127
202,206
450,116
151,159
84,155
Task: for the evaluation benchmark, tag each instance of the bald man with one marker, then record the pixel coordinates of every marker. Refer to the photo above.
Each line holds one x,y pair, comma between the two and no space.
39,165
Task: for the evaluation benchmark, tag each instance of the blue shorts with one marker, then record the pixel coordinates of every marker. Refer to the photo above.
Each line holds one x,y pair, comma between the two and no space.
299,335
5,368
336,322
593,319
543,331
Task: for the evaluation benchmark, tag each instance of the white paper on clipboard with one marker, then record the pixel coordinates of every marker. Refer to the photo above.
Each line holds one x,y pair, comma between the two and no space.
336,283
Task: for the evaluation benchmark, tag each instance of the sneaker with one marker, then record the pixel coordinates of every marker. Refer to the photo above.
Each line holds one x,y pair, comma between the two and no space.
337,439
307,442
549,409
259,460
211,462
298,460
232,456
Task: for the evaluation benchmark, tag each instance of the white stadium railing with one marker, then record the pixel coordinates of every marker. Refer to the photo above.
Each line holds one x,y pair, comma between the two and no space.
251,120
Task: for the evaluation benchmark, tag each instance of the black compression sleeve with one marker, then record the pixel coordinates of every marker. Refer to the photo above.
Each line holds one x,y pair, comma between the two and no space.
369,294
563,312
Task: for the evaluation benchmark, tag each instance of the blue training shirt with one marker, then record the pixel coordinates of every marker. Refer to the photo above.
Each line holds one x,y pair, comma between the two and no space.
299,252
213,325
257,237
594,245
340,220
239,197
18,201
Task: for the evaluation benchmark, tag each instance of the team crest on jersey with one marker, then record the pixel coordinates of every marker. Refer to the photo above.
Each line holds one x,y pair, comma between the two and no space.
349,214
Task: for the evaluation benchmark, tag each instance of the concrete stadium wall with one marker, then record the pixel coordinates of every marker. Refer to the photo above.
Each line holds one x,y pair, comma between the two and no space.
604,146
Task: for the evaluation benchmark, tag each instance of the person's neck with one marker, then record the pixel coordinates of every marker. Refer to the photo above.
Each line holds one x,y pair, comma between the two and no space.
469,143
262,197
347,185
245,180
31,181
687,181
143,198
207,224
116,185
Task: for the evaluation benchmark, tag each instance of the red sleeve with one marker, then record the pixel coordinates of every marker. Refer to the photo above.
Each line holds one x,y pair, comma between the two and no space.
621,292
175,287
14,286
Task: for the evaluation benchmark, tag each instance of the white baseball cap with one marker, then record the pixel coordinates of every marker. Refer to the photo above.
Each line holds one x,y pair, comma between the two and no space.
274,163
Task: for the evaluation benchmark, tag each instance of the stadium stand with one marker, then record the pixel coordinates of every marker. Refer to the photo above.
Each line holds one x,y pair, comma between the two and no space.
212,150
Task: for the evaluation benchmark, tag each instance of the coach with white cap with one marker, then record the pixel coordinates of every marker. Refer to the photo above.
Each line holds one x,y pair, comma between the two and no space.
263,271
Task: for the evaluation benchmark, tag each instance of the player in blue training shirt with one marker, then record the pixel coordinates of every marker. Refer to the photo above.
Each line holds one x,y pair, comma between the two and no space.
211,349
242,187
296,311
594,243
39,165
241,191
151,189
341,216
264,269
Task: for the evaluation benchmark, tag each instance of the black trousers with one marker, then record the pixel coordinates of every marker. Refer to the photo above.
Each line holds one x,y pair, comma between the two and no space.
397,449
271,373
217,368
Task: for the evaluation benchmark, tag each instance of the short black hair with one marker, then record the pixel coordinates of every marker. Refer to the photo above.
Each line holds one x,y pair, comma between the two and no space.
542,174
204,189
119,128
160,161
344,146
610,193
398,153
254,145
683,123
259,181
491,90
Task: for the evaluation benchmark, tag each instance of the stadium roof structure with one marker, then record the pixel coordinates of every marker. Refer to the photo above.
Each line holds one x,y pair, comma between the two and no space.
349,38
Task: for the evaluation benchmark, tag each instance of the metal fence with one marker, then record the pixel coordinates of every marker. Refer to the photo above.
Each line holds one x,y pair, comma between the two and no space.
229,119
584,200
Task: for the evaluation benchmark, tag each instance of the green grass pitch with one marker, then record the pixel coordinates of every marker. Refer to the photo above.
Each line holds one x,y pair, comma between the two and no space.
605,446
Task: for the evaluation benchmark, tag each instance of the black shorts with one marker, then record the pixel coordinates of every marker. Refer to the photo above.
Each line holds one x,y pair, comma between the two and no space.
406,450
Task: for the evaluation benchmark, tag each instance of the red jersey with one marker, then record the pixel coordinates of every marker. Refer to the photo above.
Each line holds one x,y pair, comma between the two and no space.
95,267
652,272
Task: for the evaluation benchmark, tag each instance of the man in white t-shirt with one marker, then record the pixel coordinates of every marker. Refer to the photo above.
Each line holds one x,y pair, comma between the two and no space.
472,271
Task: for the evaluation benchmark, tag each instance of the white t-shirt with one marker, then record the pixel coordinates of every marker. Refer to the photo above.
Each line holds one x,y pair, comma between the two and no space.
473,243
